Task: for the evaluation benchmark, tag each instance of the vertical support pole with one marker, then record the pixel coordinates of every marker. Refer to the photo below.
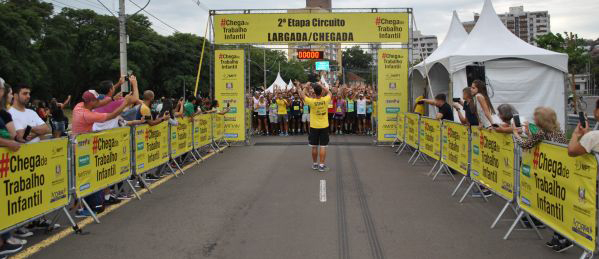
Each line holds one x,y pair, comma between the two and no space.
90,210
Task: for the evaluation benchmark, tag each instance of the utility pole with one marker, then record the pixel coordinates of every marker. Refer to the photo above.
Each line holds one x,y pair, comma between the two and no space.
264,67
123,43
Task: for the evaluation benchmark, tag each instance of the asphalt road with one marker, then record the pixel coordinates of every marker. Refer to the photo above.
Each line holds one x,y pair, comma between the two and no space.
263,201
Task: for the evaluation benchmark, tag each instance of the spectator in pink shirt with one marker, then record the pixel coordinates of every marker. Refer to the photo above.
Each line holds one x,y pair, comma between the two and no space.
84,117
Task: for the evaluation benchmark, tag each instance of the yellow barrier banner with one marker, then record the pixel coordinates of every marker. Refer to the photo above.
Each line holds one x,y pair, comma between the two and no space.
561,191
201,132
493,161
181,137
316,27
35,180
412,129
401,126
430,137
455,146
151,146
229,89
392,91
219,126
101,159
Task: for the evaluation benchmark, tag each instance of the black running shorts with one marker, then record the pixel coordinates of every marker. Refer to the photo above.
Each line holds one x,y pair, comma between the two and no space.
319,137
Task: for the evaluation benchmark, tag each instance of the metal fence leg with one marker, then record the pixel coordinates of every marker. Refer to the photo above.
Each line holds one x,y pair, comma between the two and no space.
75,226
467,191
438,171
199,155
173,171
481,193
411,157
133,188
449,172
458,186
509,232
534,226
178,167
507,204
433,169
194,157
90,210
145,183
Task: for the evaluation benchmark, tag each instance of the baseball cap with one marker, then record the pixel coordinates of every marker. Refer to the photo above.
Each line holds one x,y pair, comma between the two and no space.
90,95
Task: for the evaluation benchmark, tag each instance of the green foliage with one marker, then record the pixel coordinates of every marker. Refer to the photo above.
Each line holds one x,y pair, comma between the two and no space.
71,51
578,58
356,61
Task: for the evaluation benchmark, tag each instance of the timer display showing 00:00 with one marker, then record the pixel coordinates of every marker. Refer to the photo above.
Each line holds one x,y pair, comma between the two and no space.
310,54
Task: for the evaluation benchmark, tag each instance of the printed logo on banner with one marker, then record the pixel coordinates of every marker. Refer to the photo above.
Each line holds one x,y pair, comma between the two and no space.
84,160
4,165
140,146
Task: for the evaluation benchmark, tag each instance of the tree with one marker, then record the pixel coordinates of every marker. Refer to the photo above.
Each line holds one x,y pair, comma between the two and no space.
578,58
357,61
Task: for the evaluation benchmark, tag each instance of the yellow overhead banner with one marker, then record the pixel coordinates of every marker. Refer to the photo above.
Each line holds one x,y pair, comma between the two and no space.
493,161
430,137
101,159
35,181
229,90
561,191
401,132
455,146
311,28
412,129
151,146
392,91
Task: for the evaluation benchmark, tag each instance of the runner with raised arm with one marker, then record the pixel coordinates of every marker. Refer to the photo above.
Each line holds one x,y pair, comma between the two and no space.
319,124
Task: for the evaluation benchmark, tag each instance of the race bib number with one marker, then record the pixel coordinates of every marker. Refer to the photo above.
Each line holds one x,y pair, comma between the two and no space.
262,111
361,110
296,108
338,109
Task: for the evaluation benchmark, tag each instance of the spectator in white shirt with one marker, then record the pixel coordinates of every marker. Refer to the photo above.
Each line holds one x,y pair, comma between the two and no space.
583,139
23,117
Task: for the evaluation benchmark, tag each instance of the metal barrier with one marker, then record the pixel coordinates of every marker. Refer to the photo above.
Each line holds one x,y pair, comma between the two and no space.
42,177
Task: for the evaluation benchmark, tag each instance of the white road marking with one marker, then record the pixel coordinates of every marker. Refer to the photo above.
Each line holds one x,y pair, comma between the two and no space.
323,191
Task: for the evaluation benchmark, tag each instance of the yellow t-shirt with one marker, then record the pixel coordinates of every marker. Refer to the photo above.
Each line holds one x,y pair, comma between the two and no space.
145,112
319,118
419,107
282,107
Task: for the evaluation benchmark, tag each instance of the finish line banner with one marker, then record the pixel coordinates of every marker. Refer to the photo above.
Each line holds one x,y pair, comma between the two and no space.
35,181
561,191
101,159
311,28
229,90
392,91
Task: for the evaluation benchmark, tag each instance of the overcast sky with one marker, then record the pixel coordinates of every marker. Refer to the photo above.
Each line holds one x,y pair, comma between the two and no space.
432,16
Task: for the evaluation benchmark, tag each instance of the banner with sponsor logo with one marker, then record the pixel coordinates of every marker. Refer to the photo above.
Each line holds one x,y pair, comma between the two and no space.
392,91
201,130
101,159
401,131
493,161
561,191
151,146
229,86
320,27
455,146
430,137
35,181
181,137
412,129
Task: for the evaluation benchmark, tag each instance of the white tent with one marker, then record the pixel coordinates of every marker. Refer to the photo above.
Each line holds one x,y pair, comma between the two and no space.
516,72
438,74
290,85
279,83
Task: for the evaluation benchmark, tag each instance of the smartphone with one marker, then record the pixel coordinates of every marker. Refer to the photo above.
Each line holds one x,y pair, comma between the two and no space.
517,120
456,100
228,104
582,119
27,132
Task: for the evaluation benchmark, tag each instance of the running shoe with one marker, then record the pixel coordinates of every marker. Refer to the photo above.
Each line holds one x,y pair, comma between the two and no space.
477,194
84,213
23,232
314,166
43,224
562,245
16,241
554,241
323,168
7,249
